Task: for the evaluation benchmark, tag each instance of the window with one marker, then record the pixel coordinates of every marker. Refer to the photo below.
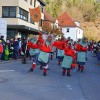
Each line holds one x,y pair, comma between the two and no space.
31,2
40,23
34,3
11,33
26,0
8,12
41,7
31,21
23,14
67,29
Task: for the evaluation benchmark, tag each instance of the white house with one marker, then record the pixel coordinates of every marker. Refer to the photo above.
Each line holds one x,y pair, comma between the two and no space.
70,28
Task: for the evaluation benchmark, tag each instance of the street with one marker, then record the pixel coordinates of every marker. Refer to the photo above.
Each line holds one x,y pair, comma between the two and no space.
16,83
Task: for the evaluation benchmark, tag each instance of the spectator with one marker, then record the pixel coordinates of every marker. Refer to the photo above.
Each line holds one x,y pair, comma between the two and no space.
98,50
3,44
16,48
23,45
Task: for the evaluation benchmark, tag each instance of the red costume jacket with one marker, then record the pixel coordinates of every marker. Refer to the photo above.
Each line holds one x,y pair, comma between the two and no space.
1,48
70,52
45,48
81,48
59,45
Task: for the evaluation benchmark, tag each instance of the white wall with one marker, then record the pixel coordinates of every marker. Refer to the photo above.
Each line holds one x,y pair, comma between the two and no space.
3,28
74,32
79,32
71,33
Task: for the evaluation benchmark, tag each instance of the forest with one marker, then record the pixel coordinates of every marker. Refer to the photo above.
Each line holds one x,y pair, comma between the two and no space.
87,12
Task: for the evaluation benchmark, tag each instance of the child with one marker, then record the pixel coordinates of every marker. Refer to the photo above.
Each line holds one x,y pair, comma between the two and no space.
6,53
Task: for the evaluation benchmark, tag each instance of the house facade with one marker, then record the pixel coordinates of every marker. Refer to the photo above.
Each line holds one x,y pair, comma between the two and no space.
70,28
19,22
48,22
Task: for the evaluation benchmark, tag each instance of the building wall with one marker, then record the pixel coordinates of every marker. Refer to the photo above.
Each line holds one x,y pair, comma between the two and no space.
79,32
3,28
74,32
7,3
23,4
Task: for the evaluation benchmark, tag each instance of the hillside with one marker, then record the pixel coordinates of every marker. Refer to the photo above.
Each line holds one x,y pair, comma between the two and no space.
85,11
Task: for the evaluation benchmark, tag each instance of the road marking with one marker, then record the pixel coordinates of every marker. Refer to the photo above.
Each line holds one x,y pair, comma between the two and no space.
6,71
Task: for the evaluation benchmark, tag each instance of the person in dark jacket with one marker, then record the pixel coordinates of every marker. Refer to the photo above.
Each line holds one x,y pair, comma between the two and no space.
16,48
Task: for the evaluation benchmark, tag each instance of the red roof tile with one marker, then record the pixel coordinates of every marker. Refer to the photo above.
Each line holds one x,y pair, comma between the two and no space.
48,17
65,21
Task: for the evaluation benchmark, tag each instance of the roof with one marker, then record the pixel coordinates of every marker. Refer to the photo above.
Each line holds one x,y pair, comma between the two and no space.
48,17
65,21
42,2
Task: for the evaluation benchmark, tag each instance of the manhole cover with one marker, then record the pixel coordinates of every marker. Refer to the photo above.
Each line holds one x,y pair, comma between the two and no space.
2,80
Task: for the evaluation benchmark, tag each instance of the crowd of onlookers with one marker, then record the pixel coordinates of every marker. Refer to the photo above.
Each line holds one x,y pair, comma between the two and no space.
16,48
94,47
12,48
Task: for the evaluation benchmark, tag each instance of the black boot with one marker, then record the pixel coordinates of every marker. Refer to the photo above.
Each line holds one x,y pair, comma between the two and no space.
79,68
44,74
64,71
82,68
31,70
68,72
41,68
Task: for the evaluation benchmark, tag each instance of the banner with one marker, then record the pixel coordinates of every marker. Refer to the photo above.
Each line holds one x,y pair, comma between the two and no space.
35,14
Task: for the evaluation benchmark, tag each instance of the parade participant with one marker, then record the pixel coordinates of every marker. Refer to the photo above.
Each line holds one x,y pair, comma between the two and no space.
81,55
69,57
45,50
1,49
33,49
52,52
60,45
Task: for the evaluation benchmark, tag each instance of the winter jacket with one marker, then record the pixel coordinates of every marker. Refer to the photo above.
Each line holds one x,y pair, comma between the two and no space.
1,48
70,52
59,45
46,47
81,48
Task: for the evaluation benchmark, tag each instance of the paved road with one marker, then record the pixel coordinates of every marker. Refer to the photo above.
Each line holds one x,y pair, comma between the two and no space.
17,84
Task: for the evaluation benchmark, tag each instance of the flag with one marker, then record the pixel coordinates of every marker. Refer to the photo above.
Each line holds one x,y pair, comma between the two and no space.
35,14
